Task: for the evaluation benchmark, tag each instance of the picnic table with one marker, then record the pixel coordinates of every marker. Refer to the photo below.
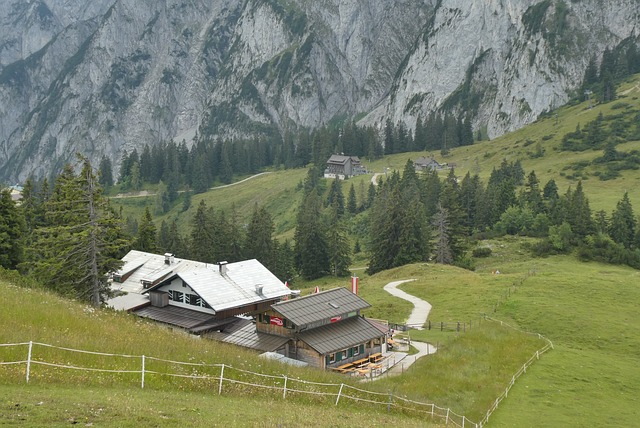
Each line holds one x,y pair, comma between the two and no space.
374,358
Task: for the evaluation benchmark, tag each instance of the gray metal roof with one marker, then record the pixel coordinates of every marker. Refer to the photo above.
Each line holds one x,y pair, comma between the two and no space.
320,306
127,301
342,159
242,332
340,335
243,283
182,317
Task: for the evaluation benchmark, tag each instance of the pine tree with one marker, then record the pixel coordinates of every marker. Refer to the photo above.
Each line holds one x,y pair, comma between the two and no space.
336,195
311,250
443,253
622,228
12,228
146,238
579,213
532,196
162,202
81,241
338,245
384,226
259,240
352,205
105,175
175,243
201,235
450,204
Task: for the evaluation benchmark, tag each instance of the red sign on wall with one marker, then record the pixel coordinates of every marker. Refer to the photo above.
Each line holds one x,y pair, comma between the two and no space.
336,319
277,321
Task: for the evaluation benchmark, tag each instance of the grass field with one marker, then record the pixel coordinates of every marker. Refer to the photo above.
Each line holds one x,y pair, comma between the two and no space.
588,310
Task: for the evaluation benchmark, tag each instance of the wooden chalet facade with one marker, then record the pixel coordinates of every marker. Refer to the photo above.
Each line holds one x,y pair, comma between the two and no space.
343,167
325,330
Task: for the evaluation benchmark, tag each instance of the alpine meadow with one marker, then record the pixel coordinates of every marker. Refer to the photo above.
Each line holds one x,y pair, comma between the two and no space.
282,213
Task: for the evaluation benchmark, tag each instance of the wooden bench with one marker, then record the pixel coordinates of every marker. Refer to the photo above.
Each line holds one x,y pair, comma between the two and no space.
374,358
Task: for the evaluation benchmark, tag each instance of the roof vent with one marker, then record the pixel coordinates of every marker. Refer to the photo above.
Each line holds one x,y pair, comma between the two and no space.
259,288
333,305
222,268
168,258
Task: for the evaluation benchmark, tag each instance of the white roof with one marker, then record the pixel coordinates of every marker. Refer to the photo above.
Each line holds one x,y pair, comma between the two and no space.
239,286
242,283
149,267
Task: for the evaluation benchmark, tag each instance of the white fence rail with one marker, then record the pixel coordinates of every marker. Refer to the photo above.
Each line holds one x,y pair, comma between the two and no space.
229,375
520,372
224,374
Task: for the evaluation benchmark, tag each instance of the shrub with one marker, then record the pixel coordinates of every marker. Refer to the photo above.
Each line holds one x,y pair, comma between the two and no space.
482,252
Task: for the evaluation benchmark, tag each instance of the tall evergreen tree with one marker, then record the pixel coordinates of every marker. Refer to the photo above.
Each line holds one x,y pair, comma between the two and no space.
105,174
82,239
578,212
311,250
622,228
12,228
259,240
338,245
532,195
201,235
352,204
336,195
443,253
146,238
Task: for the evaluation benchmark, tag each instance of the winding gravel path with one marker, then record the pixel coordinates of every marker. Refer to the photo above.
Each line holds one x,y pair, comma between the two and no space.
421,308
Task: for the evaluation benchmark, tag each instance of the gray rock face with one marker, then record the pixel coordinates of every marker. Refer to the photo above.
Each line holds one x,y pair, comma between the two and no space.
105,76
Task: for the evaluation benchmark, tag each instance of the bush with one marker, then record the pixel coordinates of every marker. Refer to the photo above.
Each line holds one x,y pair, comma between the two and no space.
482,252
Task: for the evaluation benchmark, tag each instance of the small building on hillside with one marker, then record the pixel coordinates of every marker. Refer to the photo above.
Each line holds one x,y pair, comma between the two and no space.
343,167
324,329
195,296
426,164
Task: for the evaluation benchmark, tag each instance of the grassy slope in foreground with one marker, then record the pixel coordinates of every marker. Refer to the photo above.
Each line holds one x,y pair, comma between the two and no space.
588,310
60,322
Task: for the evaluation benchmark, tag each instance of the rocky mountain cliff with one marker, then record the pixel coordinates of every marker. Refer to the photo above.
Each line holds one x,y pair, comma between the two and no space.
106,76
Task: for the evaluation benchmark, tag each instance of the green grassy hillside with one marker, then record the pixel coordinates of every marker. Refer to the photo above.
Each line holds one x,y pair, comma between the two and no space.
586,309
279,190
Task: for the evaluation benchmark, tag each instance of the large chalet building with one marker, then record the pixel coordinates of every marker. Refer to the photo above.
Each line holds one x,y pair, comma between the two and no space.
244,304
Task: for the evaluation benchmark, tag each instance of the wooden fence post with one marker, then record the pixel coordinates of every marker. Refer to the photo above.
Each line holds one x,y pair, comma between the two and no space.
284,393
339,393
389,404
447,418
29,360
143,372
221,377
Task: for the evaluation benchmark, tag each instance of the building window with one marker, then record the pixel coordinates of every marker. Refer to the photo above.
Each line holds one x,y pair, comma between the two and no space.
178,296
194,300
356,350
332,358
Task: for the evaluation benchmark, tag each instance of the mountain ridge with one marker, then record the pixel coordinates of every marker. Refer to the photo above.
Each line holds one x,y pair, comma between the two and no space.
117,74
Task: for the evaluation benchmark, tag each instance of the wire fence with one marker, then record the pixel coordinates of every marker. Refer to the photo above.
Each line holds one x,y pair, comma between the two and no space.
222,378
232,380
520,372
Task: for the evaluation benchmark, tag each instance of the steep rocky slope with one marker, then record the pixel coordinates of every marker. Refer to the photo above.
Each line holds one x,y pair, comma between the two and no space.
106,76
